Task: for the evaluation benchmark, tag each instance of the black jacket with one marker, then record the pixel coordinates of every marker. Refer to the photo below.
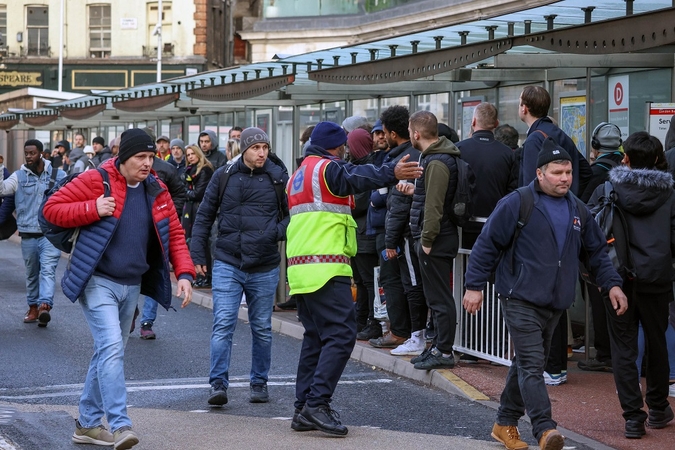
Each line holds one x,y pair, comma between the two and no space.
492,162
169,175
365,243
600,169
646,198
397,219
248,217
101,156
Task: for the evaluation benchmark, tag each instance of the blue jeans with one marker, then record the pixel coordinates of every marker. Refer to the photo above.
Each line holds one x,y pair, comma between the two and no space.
109,308
149,311
531,328
41,259
228,284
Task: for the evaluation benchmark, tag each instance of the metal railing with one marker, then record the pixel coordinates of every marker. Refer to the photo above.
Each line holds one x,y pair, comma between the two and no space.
483,334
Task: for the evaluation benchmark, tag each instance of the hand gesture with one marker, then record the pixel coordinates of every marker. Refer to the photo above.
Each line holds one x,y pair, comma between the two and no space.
406,170
405,188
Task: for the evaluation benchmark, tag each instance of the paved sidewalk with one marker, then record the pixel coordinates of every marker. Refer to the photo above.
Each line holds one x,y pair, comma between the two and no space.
586,408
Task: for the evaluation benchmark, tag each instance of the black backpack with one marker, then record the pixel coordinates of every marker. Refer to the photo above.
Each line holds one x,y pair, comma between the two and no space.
607,215
63,238
461,210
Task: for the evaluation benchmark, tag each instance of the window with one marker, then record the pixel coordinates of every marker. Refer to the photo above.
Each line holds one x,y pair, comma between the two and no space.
37,24
167,20
3,28
99,31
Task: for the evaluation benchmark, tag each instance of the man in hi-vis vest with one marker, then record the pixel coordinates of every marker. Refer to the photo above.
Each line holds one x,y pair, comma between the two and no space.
321,238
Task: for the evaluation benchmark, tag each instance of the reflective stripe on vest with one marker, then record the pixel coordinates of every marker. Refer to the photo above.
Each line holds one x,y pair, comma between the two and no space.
314,259
311,194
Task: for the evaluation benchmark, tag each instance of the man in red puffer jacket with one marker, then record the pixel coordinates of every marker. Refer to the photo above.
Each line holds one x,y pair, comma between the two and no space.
125,244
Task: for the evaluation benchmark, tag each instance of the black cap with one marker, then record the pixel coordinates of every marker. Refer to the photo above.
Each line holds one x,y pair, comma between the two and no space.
550,151
135,140
65,144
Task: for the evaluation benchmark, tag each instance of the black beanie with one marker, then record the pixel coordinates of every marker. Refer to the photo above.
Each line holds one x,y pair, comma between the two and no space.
550,151
133,141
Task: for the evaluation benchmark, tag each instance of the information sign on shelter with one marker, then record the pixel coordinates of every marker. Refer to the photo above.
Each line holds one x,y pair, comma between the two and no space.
618,103
658,119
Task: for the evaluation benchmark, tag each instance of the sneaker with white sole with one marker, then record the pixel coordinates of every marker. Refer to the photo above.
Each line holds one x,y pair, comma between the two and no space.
411,347
98,435
671,390
555,379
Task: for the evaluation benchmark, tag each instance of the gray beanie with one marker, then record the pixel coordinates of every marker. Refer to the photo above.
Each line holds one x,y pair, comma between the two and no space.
252,136
352,123
177,143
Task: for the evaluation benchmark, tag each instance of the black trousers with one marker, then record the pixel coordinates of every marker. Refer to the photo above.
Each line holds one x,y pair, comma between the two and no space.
363,265
600,332
397,305
436,268
330,334
411,277
557,356
652,310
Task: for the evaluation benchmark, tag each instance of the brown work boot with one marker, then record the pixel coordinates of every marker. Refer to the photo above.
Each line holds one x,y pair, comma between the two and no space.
509,436
43,315
31,315
551,440
389,340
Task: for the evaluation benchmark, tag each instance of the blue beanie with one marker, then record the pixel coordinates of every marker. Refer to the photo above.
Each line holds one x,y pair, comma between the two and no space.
328,135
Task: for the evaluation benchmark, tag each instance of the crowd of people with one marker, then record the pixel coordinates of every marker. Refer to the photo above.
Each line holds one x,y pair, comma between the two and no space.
364,199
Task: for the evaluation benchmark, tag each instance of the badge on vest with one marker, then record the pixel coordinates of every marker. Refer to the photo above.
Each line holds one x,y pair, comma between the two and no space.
298,181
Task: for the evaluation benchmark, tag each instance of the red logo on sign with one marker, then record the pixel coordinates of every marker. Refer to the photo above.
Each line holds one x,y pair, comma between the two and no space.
618,94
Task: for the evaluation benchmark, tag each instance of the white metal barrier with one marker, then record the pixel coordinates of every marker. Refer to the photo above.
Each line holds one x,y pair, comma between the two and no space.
484,334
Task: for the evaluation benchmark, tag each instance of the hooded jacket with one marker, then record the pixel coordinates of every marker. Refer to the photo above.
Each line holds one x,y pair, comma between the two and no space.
216,158
76,156
248,214
104,155
429,214
646,198
540,274
74,205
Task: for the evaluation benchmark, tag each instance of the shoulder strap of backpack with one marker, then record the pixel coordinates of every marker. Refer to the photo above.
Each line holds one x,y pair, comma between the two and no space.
52,178
539,131
526,206
606,163
106,182
223,177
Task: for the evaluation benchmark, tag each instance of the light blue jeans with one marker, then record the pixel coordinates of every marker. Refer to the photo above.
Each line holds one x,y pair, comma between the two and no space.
41,259
109,308
228,284
149,311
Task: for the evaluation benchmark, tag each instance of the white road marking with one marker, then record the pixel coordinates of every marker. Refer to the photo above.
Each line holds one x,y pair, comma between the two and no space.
143,386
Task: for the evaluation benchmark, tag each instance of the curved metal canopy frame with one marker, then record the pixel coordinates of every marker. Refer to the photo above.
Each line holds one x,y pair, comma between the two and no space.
242,89
625,34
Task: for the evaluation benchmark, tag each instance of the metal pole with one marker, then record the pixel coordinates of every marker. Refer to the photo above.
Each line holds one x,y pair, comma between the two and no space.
61,47
159,40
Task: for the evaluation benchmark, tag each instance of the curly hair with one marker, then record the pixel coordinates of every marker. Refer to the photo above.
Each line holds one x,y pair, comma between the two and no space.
395,118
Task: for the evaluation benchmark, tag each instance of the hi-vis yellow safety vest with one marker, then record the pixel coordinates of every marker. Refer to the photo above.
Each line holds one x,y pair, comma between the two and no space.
321,236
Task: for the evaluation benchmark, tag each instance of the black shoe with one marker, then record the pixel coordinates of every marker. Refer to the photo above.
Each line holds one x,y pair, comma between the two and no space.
635,429
324,419
594,365
218,395
436,360
259,394
288,305
297,426
425,354
372,331
659,419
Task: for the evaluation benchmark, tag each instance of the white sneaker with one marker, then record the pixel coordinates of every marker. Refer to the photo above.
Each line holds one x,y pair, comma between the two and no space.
671,390
412,347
